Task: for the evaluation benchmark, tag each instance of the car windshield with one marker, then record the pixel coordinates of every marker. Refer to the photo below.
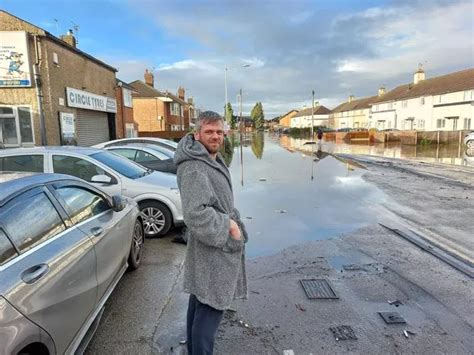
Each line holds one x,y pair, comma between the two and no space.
121,165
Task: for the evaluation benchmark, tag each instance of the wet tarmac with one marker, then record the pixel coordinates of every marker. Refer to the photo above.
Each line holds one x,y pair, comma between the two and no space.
289,197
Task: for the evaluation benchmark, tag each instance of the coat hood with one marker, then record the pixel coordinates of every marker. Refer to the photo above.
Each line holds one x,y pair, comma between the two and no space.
191,149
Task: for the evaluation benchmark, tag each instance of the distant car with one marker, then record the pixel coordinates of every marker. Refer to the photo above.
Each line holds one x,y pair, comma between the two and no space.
64,246
469,156
155,192
149,155
469,140
166,143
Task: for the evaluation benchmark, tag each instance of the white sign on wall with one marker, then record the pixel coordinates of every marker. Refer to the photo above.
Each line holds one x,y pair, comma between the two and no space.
89,101
68,128
14,59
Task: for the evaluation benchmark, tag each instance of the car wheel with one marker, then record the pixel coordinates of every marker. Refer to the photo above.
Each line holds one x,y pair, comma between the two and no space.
135,256
470,144
156,218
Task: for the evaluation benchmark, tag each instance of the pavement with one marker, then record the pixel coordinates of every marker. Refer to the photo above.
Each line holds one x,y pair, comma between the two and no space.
371,270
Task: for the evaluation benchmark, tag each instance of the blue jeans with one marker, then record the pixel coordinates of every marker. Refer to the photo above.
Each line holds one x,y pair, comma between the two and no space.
201,327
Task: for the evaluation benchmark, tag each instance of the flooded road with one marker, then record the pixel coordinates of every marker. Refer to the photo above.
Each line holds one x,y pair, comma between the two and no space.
446,154
282,205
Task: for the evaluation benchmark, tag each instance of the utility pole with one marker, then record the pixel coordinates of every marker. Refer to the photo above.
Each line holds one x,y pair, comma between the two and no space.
241,142
312,119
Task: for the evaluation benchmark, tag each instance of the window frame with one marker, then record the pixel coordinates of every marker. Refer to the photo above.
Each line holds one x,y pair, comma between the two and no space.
53,187
14,248
24,195
16,116
23,155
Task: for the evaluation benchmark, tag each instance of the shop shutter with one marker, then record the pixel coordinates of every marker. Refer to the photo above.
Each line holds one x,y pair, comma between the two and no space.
92,127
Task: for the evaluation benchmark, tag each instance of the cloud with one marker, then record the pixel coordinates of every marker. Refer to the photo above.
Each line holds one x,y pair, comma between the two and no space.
336,49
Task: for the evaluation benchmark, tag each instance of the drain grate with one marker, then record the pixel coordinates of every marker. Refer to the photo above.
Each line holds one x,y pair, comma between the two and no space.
392,317
318,289
343,332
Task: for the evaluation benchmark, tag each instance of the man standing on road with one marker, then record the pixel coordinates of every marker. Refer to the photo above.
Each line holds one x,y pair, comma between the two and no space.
214,269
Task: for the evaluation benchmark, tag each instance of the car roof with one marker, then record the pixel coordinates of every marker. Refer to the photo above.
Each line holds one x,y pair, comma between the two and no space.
51,149
125,140
159,148
13,182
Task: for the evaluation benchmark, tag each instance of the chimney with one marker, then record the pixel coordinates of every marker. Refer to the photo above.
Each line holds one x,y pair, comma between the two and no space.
351,98
419,75
181,93
190,101
149,78
381,91
69,39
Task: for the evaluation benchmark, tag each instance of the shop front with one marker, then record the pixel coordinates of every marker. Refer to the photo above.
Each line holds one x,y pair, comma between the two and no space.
92,122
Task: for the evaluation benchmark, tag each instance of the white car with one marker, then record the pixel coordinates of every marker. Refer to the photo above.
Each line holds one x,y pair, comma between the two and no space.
469,140
149,155
155,192
166,143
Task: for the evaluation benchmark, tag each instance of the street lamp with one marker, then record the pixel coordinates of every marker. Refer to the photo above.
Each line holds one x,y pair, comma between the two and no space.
225,84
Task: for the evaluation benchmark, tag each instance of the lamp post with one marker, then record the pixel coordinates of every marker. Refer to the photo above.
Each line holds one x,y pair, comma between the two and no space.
225,84
312,119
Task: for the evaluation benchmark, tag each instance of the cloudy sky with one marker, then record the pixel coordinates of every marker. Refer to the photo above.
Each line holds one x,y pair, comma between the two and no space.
334,47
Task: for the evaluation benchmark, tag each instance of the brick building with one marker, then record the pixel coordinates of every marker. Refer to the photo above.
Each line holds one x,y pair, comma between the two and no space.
126,126
156,111
52,92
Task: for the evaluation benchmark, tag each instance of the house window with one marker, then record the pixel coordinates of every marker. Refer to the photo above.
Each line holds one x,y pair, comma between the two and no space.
420,124
16,126
441,98
390,105
175,109
468,95
404,103
440,123
467,123
127,97
422,100
130,130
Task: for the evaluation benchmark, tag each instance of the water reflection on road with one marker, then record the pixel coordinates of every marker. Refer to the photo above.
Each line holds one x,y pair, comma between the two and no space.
453,154
282,206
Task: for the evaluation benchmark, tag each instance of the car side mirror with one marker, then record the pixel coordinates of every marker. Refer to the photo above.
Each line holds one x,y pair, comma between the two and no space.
102,179
118,203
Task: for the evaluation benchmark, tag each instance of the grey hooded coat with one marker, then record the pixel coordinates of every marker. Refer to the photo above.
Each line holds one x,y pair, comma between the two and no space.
214,269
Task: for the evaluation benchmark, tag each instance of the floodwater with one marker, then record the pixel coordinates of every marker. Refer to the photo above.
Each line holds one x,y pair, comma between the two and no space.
287,198
453,154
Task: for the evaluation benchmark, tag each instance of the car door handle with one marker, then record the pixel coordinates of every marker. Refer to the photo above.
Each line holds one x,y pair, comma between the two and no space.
34,273
96,231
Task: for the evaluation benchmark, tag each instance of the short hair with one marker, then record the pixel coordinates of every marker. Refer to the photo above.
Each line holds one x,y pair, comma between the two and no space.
207,117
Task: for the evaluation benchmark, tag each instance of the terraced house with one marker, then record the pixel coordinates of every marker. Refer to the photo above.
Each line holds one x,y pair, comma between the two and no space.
51,92
354,113
441,103
319,116
157,111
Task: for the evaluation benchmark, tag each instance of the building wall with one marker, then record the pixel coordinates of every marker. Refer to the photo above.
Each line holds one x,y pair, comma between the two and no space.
146,112
124,114
306,121
72,71
285,121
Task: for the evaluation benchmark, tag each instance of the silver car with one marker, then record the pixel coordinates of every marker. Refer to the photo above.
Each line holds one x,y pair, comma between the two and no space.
64,245
155,192
165,143
149,155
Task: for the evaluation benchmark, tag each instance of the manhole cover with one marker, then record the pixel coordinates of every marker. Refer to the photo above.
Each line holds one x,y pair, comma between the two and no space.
343,332
318,289
392,317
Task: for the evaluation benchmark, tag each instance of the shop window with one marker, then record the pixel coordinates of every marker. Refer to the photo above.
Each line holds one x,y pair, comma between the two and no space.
16,126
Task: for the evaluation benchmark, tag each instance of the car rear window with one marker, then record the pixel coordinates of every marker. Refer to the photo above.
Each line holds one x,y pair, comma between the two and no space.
31,220
28,163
